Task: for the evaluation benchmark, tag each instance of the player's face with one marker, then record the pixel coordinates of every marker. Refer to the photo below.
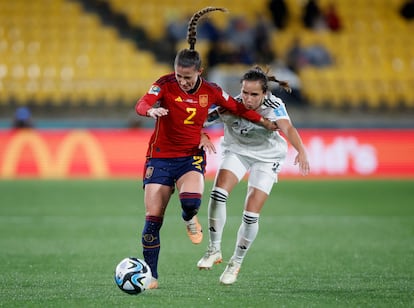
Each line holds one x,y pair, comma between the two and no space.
252,94
186,77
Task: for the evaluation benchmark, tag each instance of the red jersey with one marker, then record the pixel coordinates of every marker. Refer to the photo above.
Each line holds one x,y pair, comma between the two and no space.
178,133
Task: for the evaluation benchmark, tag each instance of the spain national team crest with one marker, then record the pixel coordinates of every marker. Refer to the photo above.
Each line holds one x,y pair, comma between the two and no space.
149,172
203,100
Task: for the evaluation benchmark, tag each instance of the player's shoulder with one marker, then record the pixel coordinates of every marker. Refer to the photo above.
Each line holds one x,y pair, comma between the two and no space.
272,101
166,79
211,85
214,90
273,105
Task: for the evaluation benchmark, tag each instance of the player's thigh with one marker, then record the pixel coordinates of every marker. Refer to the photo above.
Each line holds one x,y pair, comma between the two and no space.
255,199
192,181
226,180
262,176
260,183
235,164
156,198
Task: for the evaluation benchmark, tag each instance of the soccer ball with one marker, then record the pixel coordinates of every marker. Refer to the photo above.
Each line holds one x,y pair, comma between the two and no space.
133,275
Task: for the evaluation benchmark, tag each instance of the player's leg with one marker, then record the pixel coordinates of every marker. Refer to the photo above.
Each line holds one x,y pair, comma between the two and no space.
259,186
229,174
189,172
191,186
158,188
249,226
245,236
156,200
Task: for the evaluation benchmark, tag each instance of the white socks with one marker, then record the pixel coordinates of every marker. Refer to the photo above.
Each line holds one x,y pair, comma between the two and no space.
246,235
217,214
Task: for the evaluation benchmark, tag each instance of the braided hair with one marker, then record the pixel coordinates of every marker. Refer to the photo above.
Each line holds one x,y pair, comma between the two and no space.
190,57
257,73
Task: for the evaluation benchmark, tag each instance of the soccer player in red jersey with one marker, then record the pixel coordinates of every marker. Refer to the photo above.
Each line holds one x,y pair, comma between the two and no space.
180,103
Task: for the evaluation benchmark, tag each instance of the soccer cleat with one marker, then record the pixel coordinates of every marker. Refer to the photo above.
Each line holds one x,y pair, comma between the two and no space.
211,257
153,284
229,275
194,231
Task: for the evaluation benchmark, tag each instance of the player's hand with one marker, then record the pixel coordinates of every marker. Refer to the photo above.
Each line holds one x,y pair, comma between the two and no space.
303,162
157,112
269,124
206,144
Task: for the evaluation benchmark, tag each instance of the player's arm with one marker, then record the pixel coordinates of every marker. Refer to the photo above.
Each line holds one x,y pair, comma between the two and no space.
145,106
213,116
229,103
294,138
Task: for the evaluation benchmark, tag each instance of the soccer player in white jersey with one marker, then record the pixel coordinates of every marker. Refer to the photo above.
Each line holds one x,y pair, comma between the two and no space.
248,147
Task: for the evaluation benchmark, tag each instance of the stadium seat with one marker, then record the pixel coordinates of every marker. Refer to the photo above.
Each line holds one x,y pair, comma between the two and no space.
370,52
55,52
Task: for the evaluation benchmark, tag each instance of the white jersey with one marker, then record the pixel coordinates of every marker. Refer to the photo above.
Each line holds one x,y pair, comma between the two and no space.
245,138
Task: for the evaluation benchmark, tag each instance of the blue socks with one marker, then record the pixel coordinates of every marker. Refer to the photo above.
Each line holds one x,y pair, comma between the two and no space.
190,203
151,242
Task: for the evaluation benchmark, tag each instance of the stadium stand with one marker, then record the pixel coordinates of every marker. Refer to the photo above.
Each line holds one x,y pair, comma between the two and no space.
55,52
154,17
374,56
52,52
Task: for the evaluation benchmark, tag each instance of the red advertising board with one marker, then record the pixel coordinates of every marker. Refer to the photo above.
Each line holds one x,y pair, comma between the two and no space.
121,153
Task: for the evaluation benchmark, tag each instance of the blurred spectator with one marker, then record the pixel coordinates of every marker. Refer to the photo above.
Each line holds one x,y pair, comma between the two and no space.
242,44
295,57
220,52
332,19
176,29
279,12
22,118
317,55
241,36
262,30
407,9
312,16
207,30
298,56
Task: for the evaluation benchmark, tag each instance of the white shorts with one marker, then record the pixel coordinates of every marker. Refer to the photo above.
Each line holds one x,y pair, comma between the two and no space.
262,175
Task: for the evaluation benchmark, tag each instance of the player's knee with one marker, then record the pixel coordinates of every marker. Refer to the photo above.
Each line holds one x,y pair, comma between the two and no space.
190,203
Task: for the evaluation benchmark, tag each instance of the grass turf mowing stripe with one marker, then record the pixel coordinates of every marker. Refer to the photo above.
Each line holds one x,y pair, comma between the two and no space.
320,244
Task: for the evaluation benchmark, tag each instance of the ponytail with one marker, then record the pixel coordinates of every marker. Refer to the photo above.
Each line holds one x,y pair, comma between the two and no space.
190,57
192,24
284,84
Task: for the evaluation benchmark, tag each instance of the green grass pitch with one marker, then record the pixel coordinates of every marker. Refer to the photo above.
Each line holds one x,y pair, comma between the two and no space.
320,244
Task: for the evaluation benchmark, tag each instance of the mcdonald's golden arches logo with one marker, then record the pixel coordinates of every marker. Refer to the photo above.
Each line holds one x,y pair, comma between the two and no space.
49,165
